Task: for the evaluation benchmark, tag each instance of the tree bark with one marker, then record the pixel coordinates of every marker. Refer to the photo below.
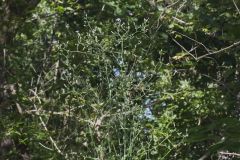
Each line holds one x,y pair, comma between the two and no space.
12,14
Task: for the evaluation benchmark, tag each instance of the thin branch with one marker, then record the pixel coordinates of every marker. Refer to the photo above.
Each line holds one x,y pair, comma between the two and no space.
50,137
45,147
219,51
180,7
209,53
19,108
183,48
164,11
194,40
205,156
43,123
230,154
180,21
4,58
43,112
236,6
171,5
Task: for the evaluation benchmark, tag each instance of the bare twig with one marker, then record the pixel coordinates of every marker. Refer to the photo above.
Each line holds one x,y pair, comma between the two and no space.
194,40
56,67
219,51
171,5
180,21
19,108
236,6
180,7
43,123
230,154
164,11
183,48
50,137
205,156
209,53
44,112
45,147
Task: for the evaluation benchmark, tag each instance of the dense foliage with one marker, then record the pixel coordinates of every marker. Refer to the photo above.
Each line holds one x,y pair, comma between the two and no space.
105,79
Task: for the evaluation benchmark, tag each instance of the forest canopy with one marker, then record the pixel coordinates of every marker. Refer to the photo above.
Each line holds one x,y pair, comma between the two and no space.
119,79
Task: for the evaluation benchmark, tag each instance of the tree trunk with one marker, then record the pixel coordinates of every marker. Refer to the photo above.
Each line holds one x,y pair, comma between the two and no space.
12,14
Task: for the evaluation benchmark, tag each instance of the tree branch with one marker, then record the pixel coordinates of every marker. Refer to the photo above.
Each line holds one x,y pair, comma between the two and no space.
219,51
230,154
236,6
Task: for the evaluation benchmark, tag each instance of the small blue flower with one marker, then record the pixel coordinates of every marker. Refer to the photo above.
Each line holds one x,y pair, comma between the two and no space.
116,72
148,114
